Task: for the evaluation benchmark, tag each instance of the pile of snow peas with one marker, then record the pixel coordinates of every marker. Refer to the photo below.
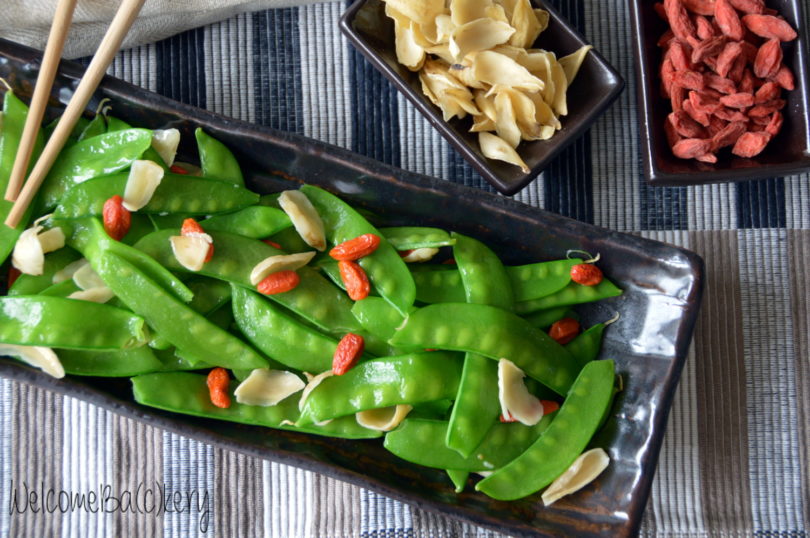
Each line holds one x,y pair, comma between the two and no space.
433,332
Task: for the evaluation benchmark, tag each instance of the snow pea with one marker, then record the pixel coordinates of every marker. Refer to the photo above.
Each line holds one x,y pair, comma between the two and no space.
175,194
543,319
58,322
536,280
458,478
279,336
315,299
97,126
256,221
439,286
12,121
421,441
564,440
377,316
81,125
61,289
210,294
406,379
385,269
187,393
150,154
494,333
571,294
121,363
410,237
88,237
586,346
54,261
290,241
216,160
483,276
90,158
183,327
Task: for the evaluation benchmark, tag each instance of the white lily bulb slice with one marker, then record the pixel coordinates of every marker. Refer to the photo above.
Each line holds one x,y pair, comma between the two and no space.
144,178
28,256
190,250
86,278
51,240
313,381
515,397
384,419
495,147
40,357
304,217
267,387
67,272
165,142
582,472
282,262
100,294
419,255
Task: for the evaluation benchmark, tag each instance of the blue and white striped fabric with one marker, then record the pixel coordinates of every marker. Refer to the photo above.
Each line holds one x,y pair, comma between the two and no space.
735,459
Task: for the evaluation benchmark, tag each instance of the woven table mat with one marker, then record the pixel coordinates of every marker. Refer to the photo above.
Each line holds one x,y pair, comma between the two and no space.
737,449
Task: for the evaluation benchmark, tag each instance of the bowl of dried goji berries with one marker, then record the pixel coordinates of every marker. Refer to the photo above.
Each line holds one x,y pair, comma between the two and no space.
723,89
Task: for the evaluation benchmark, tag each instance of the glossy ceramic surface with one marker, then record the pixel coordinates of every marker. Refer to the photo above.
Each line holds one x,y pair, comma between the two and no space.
662,284
596,86
788,153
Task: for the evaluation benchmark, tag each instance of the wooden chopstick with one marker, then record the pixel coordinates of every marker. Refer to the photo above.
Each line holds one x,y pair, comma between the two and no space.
126,15
50,61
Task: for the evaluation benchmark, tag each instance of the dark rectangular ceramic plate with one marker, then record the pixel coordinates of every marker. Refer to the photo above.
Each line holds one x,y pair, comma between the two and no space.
662,293
788,153
597,85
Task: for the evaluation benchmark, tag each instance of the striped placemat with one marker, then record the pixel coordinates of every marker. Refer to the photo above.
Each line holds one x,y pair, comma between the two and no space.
736,454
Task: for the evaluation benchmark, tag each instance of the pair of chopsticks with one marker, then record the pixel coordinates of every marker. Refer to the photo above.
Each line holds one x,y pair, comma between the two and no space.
23,194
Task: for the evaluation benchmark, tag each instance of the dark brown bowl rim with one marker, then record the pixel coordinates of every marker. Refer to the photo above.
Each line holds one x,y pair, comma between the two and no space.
447,131
647,101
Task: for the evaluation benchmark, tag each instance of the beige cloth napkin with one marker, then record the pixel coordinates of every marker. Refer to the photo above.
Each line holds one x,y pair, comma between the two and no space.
29,21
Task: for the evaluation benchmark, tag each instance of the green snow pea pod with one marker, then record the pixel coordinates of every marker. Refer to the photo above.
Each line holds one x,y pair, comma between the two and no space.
97,126
564,440
167,222
121,363
183,327
458,478
314,299
12,121
279,336
543,319
90,158
256,221
187,393
62,289
116,124
216,160
436,410
421,441
175,194
150,154
378,317
410,237
81,125
406,379
536,280
58,322
332,272
140,225
439,286
54,261
585,347
494,333
209,294
385,269
290,241
483,276
571,294
88,237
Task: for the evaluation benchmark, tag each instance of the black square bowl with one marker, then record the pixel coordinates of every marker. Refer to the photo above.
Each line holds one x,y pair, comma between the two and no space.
788,153
662,290
596,86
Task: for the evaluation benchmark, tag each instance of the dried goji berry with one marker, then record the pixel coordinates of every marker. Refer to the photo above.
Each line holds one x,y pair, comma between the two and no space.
727,57
721,84
729,114
784,77
116,217
508,418
704,28
218,383
767,108
738,100
679,20
279,282
748,82
672,135
767,92
449,261
549,406
665,38
728,135
347,353
191,226
689,148
355,280
667,75
698,115
691,80
775,125
677,53
676,97
749,6
356,248
769,59
405,253
272,243
770,27
704,102
749,50
178,170
709,47
13,275
727,20
715,126
699,7
586,274
685,126
707,158
751,144
564,330
737,70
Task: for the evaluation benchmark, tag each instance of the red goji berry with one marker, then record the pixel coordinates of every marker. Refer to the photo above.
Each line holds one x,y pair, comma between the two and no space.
13,275
775,124
549,406
347,353
751,144
508,418
218,382
705,30
728,20
356,248
279,282
679,19
405,253
564,330
769,59
355,280
784,77
770,27
116,217
175,169
588,274
748,6
272,243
